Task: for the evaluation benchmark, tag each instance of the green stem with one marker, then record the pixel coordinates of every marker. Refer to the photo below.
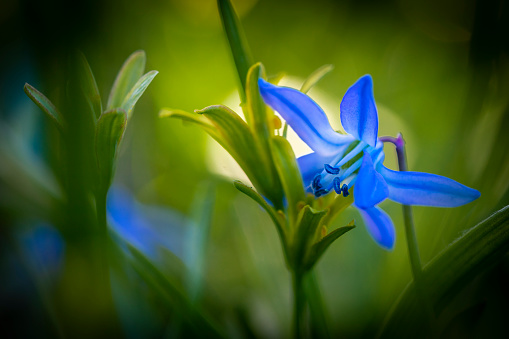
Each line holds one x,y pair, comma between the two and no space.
298,303
411,238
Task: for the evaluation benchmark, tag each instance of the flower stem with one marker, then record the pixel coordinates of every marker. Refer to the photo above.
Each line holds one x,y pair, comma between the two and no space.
411,238
298,303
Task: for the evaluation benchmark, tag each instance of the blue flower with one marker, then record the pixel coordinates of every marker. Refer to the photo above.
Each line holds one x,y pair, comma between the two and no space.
342,161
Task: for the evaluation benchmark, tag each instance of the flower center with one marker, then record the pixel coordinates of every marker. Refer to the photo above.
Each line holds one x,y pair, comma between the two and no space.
341,173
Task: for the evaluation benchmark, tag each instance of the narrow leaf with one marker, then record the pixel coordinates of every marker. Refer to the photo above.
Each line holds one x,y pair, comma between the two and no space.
319,248
197,239
288,170
45,104
137,91
89,86
131,71
315,77
240,144
276,218
109,131
172,295
446,275
308,223
237,41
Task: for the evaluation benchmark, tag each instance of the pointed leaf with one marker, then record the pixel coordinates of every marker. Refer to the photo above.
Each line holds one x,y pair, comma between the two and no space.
241,145
450,271
45,104
131,71
89,86
237,41
308,224
137,91
289,173
278,219
319,248
189,117
315,77
109,131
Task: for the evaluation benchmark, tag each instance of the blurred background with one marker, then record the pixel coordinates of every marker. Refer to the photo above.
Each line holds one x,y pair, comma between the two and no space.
441,78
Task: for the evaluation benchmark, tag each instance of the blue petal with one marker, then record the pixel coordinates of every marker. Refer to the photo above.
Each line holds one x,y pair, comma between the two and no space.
359,116
380,226
370,188
310,165
416,188
305,117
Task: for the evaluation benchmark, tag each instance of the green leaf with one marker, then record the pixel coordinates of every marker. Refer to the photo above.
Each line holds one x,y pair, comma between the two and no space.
131,71
450,271
315,77
173,296
137,91
89,86
237,41
278,219
190,117
45,104
319,248
109,131
238,140
195,255
308,223
289,173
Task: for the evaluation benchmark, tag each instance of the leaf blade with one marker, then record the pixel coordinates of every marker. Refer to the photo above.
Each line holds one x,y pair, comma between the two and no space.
131,70
44,104
137,91
108,134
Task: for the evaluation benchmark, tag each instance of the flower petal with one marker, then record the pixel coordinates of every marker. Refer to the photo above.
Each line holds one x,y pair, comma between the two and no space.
370,188
379,226
305,117
425,189
359,116
310,165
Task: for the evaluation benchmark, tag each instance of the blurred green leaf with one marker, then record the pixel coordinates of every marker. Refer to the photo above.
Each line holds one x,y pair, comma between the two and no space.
131,71
315,77
137,91
289,173
173,295
237,41
109,131
45,104
197,239
278,219
318,249
89,86
446,275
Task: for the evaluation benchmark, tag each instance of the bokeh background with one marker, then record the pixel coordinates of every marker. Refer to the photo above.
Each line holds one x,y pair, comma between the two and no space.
441,78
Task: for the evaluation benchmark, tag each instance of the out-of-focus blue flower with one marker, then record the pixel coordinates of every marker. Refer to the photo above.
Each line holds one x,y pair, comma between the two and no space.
43,249
148,228
340,161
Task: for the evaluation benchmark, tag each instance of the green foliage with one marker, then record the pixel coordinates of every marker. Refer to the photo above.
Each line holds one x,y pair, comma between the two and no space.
237,42
108,134
447,274
131,71
45,105
88,85
316,76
